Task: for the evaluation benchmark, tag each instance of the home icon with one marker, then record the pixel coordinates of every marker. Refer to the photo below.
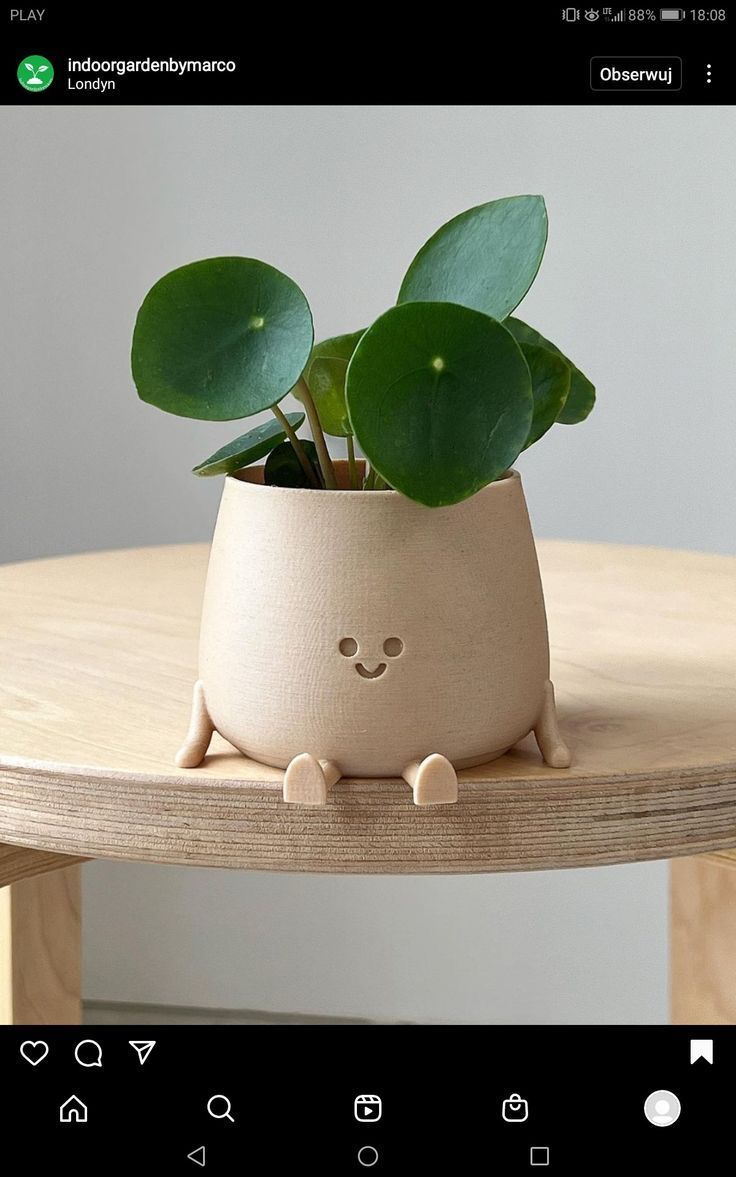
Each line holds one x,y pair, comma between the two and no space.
73,1111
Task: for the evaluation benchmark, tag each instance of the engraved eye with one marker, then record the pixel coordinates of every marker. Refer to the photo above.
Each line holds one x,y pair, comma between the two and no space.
392,647
348,647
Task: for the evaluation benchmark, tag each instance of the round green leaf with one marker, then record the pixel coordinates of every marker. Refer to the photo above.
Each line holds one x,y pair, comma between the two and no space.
440,400
325,376
247,448
550,386
581,397
485,258
220,339
283,468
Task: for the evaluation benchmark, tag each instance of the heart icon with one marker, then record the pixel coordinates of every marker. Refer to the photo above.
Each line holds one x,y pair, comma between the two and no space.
34,1052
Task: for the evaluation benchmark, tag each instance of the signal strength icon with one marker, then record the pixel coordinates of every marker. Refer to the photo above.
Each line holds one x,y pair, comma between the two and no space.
619,16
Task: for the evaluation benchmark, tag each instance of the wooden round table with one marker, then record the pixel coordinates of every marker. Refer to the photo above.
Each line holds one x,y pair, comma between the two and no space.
99,655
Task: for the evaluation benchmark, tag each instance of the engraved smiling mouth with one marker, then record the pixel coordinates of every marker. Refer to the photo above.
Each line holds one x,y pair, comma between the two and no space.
364,672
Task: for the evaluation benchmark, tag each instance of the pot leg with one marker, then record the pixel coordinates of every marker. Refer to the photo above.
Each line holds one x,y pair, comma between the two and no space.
307,780
201,727
547,733
433,780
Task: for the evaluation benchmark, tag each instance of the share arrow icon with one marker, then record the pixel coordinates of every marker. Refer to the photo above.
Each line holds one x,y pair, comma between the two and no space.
142,1049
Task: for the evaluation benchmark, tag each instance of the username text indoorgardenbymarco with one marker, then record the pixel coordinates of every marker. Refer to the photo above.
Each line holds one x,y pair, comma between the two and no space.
170,65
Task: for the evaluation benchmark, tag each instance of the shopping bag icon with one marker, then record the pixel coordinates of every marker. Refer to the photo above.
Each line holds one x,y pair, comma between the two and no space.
515,1110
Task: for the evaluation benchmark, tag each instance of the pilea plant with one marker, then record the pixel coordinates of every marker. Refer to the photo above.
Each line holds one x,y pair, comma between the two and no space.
441,393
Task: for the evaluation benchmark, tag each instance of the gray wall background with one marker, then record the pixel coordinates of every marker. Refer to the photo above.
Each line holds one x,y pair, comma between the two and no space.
637,285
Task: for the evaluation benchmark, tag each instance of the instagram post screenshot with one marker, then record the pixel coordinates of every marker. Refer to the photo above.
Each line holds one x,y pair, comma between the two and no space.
367,590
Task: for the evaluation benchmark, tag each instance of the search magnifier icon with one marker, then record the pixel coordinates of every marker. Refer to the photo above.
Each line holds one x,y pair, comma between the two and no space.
219,1107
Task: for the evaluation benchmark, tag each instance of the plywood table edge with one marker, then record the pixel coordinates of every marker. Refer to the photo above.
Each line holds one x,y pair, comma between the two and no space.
370,826
469,778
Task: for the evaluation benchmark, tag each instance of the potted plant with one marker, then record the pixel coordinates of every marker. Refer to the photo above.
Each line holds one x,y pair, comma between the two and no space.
380,616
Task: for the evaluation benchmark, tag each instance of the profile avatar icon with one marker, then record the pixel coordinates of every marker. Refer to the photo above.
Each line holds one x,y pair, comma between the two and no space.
35,73
662,1108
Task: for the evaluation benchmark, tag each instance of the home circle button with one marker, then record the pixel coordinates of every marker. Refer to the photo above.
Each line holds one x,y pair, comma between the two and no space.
368,1156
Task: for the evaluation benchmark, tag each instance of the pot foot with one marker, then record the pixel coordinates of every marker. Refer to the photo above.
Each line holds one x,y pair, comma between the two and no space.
201,727
433,780
307,780
554,750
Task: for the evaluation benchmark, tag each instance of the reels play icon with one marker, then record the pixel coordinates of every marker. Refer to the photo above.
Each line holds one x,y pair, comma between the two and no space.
368,1109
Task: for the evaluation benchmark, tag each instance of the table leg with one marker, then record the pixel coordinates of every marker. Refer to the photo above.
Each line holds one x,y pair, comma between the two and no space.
39,940
703,939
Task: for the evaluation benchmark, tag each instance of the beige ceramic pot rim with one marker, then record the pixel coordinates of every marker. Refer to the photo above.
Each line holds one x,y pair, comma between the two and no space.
251,478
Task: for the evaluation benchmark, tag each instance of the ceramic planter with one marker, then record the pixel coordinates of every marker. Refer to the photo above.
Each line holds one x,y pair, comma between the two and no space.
360,634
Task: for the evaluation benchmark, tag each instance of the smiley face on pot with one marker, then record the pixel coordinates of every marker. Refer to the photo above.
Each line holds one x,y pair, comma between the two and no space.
349,648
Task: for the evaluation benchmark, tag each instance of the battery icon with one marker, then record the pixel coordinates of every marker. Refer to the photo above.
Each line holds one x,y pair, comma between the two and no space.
672,14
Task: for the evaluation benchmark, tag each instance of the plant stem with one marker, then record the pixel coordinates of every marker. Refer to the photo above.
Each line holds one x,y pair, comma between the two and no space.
370,478
379,483
297,446
325,461
351,463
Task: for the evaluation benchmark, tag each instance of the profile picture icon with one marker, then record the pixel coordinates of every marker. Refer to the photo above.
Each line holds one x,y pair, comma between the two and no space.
35,73
662,1108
